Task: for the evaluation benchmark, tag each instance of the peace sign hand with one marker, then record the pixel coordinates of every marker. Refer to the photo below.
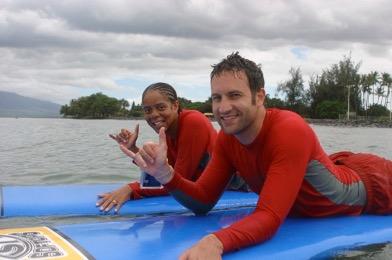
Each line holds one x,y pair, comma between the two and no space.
152,158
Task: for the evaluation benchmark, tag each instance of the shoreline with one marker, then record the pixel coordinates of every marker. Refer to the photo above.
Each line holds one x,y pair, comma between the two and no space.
350,123
313,121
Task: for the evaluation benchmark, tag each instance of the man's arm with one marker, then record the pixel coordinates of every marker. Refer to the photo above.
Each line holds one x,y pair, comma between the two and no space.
198,196
289,153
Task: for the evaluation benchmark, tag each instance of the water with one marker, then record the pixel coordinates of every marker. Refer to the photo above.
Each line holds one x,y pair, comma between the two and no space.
59,151
66,151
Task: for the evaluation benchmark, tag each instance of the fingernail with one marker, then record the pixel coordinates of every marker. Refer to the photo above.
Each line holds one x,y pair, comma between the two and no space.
101,208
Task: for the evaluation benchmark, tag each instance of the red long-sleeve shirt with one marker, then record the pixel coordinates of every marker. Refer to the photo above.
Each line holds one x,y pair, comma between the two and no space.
289,170
188,152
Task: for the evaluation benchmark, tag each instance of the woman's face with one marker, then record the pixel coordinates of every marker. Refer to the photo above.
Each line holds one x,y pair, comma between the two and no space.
159,111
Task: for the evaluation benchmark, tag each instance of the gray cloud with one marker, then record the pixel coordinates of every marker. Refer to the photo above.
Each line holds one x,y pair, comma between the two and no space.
64,48
302,21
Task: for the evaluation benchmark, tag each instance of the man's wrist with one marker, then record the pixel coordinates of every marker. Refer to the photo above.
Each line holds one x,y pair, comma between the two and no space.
166,175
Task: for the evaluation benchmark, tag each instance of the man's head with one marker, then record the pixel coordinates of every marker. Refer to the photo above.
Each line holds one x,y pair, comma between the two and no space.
235,63
238,97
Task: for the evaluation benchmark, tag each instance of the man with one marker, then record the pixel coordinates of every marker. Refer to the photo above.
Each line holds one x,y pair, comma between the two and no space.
280,158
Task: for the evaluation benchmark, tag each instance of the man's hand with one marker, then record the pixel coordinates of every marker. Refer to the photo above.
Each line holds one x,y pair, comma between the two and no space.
114,199
127,138
152,158
209,247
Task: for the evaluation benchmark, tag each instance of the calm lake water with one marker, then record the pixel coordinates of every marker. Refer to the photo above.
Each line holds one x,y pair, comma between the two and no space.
58,151
65,151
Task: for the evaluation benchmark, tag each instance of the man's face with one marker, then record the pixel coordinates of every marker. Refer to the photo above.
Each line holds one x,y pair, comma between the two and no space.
232,103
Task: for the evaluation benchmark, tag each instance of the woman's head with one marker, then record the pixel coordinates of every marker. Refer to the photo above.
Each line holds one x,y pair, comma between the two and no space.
161,106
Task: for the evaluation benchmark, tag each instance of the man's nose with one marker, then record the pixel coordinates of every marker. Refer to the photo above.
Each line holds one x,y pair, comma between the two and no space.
224,105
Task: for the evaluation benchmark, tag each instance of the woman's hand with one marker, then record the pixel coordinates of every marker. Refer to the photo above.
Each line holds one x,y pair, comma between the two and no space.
152,158
114,199
127,138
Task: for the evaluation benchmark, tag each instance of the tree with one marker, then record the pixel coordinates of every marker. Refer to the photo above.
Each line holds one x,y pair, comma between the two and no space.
184,103
365,89
64,110
377,110
274,102
330,109
386,82
293,88
94,106
373,80
332,85
206,107
295,95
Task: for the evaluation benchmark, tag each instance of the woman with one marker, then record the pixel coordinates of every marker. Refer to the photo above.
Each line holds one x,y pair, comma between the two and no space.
190,138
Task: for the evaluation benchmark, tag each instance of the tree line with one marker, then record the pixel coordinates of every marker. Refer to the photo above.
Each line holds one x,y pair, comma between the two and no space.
336,90
100,106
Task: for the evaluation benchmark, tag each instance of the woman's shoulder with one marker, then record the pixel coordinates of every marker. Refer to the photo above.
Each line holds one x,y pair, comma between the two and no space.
193,116
195,122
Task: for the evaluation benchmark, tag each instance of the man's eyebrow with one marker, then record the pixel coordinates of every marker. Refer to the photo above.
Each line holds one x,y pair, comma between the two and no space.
234,91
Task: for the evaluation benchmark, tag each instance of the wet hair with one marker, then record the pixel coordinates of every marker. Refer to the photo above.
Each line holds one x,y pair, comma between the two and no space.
165,90
235,63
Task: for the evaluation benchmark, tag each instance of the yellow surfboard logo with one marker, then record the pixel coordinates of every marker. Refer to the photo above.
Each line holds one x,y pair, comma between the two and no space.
36,243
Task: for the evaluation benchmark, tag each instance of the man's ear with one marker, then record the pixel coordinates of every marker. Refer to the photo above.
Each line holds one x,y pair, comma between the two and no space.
260,97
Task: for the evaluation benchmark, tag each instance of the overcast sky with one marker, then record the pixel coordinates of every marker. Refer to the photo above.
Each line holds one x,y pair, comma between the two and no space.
59,50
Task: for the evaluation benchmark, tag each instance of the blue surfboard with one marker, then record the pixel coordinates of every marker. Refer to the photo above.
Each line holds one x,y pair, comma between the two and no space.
69,200
167,236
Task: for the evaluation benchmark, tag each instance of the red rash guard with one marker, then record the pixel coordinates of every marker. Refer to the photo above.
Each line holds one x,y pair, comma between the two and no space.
188,153
289,170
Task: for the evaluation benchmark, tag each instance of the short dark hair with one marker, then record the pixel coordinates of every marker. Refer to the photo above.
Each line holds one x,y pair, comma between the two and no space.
234,62
164,89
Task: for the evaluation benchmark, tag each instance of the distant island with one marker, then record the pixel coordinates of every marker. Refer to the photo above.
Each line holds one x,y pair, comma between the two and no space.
101,106
15,105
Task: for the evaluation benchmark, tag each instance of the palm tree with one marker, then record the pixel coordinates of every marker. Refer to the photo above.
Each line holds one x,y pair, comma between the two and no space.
386,81
366,90
373,80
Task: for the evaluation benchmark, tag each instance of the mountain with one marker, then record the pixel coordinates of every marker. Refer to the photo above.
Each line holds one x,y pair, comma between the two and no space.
14,105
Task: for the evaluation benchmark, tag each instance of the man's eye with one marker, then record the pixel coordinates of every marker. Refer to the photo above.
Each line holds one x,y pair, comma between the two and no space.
235,95
215,98
161,108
